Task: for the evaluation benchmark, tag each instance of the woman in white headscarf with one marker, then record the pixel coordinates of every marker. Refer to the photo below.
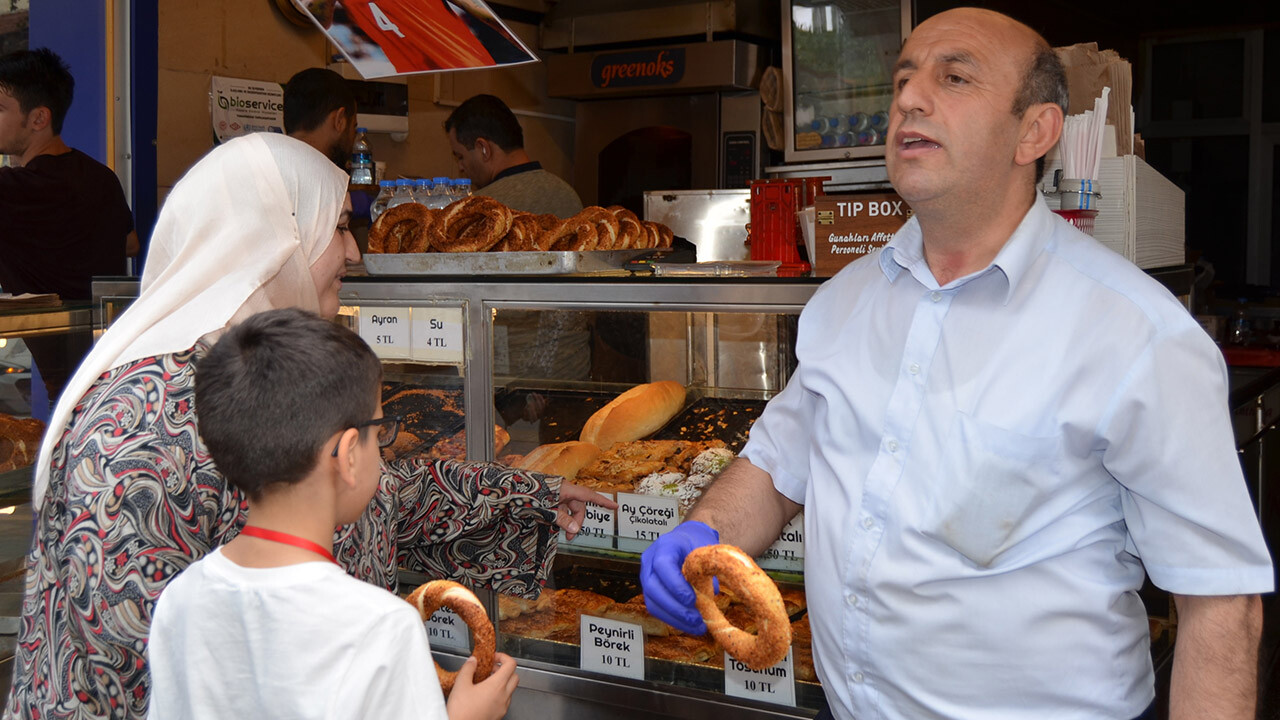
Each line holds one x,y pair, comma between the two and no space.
126,495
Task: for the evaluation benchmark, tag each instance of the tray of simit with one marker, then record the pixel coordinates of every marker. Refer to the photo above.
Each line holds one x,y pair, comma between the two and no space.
550,262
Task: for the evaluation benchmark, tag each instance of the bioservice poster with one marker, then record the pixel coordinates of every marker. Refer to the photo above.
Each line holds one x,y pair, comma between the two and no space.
239,107
401,37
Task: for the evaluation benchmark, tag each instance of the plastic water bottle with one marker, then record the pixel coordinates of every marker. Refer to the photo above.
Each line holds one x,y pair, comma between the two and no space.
859,122
870,137
403,193
421,189
834,124
880,121
386,188
439,197
361,160
462,188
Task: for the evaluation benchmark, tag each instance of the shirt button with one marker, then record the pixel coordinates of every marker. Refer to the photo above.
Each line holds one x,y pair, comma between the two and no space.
868,523
935,296
857,677
852,600
914,369
892,445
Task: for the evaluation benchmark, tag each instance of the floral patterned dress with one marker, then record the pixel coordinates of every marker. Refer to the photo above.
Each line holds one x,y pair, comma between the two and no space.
134,498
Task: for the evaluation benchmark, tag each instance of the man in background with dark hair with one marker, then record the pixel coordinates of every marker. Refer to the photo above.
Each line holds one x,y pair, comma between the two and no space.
320,110
63,215
488,143
997,429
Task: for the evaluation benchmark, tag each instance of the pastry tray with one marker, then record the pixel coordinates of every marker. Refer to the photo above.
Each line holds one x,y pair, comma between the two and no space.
714,418
427,416
594,262
702,418
619,584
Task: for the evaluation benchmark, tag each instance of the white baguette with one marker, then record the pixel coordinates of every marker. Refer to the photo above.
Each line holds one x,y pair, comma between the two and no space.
635,414
564,459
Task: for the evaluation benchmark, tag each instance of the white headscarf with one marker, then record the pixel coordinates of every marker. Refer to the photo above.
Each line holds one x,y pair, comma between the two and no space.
237,235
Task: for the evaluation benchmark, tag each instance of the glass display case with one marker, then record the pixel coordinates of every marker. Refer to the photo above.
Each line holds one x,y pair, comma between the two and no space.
496,369
837,59
40,348
531,365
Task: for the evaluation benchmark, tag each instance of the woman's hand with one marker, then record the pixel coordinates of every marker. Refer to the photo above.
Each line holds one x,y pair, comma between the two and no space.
573,506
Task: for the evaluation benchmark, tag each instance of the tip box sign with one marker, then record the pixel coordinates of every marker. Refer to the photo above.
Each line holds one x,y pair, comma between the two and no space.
848,227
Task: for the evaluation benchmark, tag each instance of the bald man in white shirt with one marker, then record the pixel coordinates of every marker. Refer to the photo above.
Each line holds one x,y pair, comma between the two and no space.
996,426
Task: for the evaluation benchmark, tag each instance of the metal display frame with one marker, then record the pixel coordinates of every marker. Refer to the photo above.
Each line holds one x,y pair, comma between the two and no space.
547,689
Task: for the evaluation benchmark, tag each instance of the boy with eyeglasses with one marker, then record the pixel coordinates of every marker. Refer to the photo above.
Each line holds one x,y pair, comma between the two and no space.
269,625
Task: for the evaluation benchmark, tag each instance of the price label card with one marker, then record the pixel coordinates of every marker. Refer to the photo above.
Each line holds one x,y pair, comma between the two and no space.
446,630
790,544
387,331
597,529
775,684
643,518
612,647
437,335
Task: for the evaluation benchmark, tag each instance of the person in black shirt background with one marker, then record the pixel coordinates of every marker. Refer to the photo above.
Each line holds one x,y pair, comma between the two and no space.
63,215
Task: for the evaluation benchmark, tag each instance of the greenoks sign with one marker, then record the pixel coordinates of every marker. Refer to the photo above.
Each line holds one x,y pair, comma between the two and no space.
638,68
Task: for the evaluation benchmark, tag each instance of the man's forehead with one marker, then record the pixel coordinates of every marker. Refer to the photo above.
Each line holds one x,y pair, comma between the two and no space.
968,36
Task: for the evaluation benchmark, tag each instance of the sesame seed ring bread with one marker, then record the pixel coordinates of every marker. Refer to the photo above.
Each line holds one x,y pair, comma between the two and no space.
606,226
662,233
524,232
630,231
402,229
737,570
574,233
445,593
472,224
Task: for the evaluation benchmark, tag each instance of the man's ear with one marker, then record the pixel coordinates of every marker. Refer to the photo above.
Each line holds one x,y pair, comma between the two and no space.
1041,127
486,149
339,120
39,118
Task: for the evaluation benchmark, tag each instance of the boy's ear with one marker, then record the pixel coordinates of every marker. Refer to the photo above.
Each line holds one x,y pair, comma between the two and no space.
345,463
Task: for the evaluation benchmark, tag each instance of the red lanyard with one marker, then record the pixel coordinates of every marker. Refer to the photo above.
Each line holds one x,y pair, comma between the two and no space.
287,539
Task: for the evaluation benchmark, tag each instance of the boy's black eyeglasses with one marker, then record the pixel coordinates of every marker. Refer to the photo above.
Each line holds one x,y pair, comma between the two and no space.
388,427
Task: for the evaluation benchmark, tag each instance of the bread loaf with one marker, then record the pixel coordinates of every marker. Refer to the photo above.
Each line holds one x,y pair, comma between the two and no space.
635,414
564,459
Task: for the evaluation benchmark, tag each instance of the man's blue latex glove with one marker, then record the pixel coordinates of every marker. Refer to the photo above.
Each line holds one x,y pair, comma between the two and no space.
667,595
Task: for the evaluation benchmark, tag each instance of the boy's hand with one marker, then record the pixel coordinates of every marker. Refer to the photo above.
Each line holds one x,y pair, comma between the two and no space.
487,700
573,506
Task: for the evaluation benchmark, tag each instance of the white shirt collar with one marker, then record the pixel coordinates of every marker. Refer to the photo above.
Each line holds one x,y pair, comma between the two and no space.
906,251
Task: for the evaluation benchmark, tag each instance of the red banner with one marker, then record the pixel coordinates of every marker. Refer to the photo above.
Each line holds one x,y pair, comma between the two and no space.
401,37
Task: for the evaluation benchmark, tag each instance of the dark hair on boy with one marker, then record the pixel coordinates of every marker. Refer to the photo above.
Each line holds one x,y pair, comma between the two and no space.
275,388
38,78
485,116
311,94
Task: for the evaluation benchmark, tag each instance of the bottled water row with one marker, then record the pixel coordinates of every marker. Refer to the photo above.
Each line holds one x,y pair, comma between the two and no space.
855,123
857,129
435,194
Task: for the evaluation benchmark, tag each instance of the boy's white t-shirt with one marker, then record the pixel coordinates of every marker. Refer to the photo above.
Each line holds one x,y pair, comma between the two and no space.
301,641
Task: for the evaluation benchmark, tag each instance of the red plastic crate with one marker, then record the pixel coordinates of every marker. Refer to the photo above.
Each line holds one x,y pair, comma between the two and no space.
775,233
